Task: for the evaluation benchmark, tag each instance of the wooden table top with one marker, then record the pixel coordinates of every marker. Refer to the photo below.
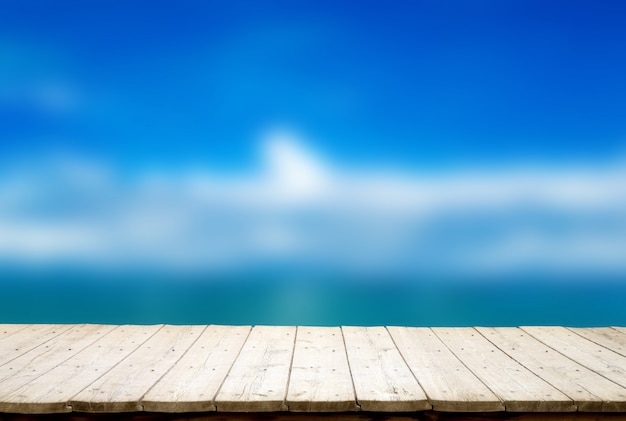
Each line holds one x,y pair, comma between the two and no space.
166,368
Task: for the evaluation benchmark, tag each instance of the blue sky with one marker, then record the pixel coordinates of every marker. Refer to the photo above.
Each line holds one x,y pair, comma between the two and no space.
112,108
420,83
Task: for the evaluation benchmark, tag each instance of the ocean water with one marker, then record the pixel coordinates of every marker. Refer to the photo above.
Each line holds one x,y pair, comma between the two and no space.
323,301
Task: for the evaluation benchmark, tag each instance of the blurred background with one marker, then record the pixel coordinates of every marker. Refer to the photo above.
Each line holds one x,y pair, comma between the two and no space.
426,163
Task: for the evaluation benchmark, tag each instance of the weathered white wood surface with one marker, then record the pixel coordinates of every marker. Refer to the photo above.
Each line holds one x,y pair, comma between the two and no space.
164,368
258,379
192,383
620,329
586,353
26,339
320,378
52,391
121,388
589,391
605,336
6,330
382,380
519,389
448,383
48,355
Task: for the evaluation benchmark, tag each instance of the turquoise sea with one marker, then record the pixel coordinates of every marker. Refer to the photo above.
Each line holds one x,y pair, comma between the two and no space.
285,300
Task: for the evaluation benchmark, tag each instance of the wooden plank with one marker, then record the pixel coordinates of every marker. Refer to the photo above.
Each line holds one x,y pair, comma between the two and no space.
519,389
258,379
382,380
288,368
589,391
321,416
191,385
52,391
607,337
26,339
449,385
320,376
619,329
48,355
122,387
586,353
6,330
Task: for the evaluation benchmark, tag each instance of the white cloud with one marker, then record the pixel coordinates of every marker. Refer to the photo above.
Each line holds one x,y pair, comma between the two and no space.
294,170
300,211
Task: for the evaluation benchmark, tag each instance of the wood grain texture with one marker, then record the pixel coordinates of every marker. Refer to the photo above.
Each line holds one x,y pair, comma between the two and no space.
320,416
589,391
519,389
586,353
320,376
258,379
607,337
46,356
270,370
382,380
52,391
26,339
448,383
122,387
191,385
6,330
